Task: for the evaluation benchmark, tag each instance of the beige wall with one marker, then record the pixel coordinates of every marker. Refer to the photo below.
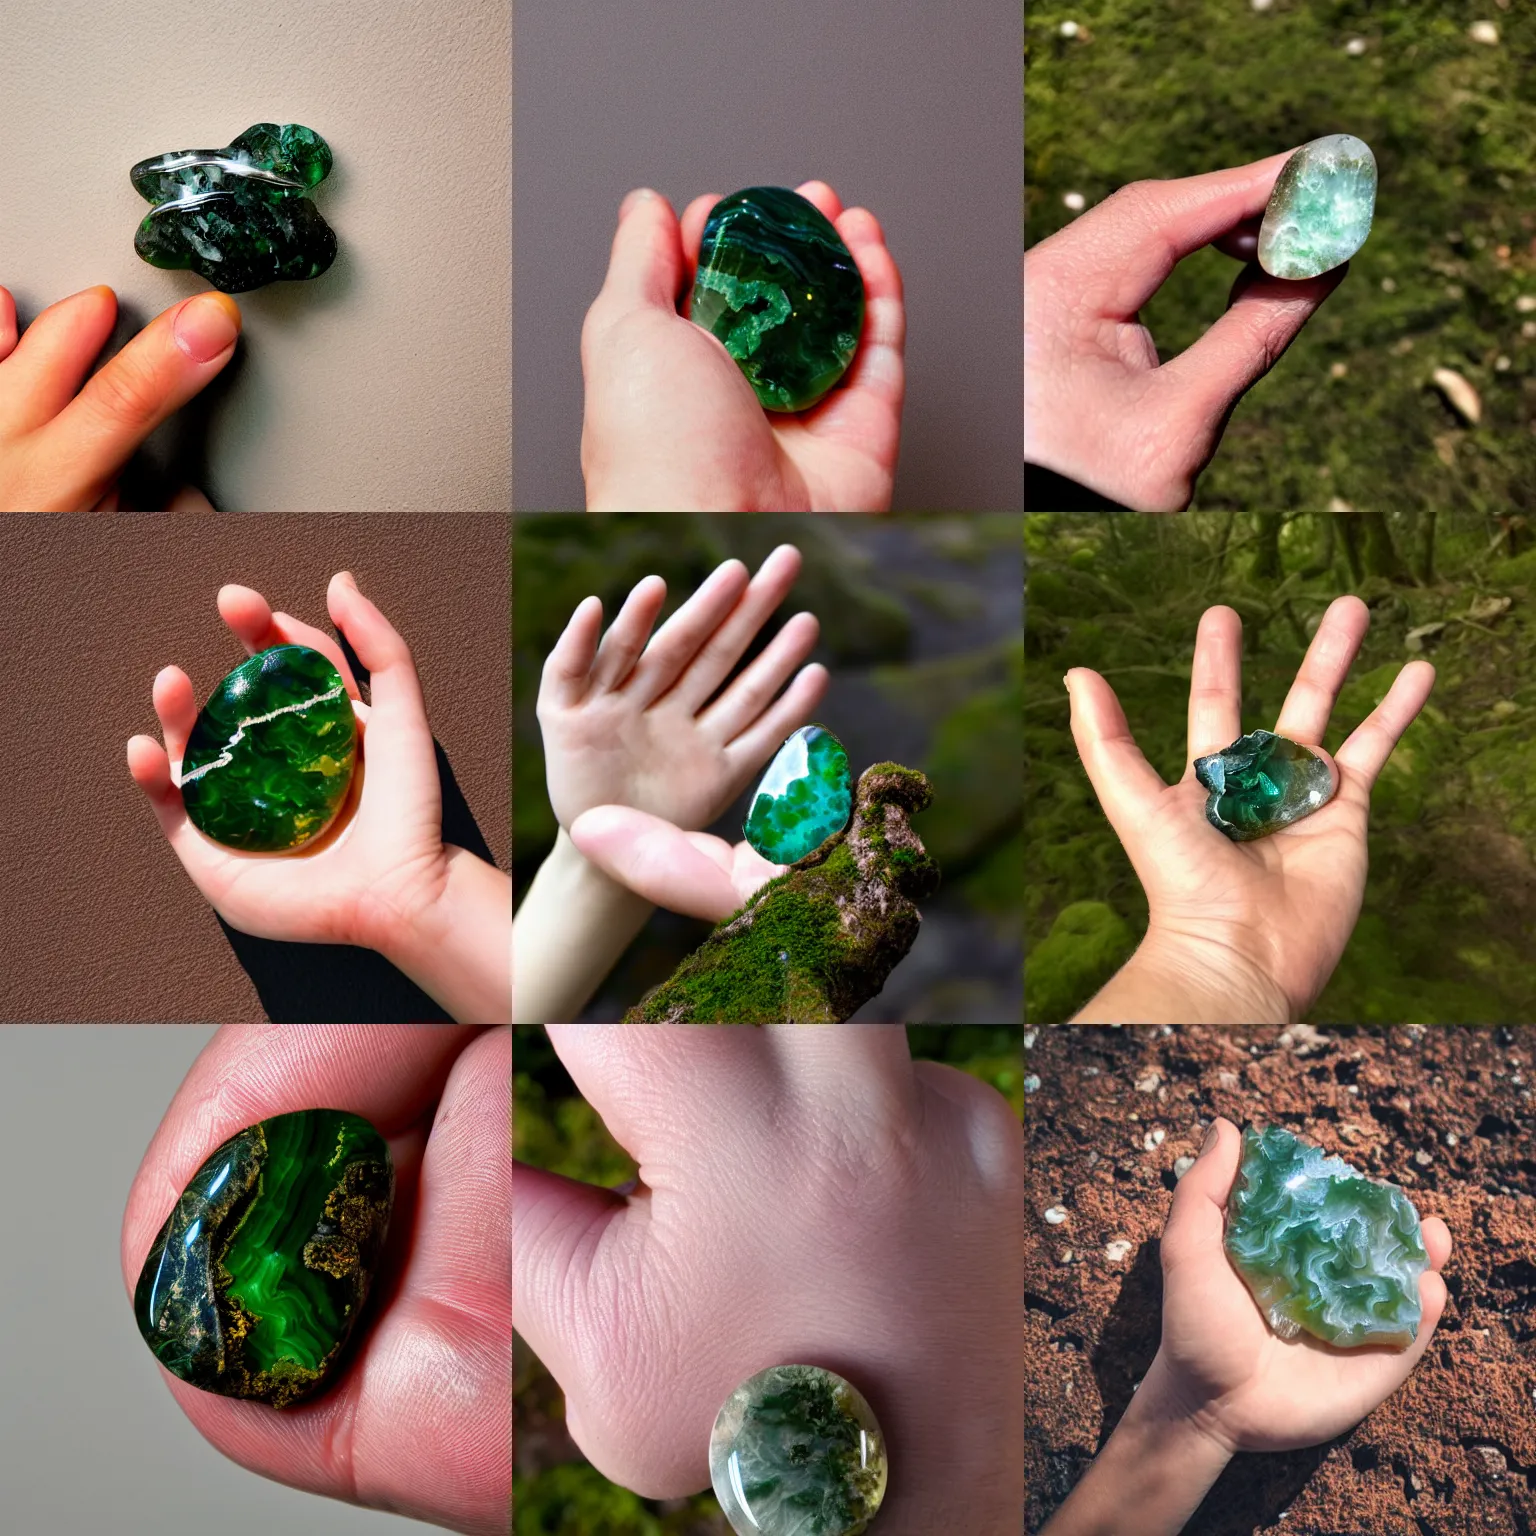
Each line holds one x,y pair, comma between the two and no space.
384,384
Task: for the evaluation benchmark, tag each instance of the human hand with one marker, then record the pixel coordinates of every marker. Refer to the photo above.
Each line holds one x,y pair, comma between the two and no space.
1241,932
670,423
419,1423
1097,405
64,439
631,723
381,876
806,1196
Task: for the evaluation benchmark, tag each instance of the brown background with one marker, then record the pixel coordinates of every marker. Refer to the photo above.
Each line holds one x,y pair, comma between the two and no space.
97,919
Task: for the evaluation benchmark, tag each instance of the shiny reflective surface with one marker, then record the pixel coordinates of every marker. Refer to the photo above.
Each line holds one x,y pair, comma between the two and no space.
804,797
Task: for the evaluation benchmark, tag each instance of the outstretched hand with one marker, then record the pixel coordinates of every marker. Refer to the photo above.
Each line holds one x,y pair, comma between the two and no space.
419,1422
65,438
672,425
1252,930
1098,407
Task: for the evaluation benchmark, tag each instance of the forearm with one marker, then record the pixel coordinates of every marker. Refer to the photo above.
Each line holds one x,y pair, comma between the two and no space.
1170,981
1151,1475
569,932
459,952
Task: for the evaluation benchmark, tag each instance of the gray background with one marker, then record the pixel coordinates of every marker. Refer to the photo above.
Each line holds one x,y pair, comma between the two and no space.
384,384
90,1440
910,108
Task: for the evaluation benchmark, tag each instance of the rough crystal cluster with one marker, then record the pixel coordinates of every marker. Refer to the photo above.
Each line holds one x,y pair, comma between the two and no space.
270,759
814,945
796,1451
782,293
240,216
254,1285
1262,782
1320,211
804,797
1322,1247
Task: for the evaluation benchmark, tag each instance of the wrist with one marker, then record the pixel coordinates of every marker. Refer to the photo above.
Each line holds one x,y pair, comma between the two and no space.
1179,978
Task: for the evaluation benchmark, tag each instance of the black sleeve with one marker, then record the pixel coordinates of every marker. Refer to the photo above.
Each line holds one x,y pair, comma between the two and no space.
1046,491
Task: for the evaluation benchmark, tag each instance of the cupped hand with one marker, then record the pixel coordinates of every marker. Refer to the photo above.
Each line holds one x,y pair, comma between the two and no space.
672,425
369,878
64,439
633,721
806,1197
1242,1384
1257,926
419,1422
1098,407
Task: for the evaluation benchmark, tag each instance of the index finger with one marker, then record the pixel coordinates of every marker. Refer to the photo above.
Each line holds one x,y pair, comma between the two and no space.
1122,251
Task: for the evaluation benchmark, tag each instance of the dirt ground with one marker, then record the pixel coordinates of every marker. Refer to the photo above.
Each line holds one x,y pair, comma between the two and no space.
1447,1113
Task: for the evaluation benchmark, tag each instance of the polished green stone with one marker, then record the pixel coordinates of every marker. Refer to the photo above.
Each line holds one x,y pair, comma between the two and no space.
782,292
1320,211
254,1285
1322,1247
240,216
803,799
270,759
796,1451
1262,782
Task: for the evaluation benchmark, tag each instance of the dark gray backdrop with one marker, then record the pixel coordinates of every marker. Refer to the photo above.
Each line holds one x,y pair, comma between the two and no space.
911,108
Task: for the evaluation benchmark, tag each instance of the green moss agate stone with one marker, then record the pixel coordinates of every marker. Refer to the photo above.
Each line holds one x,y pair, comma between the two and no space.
240,216
1321,208
782,293
1262,782
270,759
1322,1247
796,1451
255,1282
803,799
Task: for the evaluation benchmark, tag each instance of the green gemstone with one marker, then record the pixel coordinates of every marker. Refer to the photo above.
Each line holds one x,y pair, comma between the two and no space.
1320,211
255,1282
1322,1247
270,759
804,797
782,292
238,216
1262,782
796,1451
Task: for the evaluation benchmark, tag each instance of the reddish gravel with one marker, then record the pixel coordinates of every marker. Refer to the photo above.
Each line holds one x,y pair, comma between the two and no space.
1455,1450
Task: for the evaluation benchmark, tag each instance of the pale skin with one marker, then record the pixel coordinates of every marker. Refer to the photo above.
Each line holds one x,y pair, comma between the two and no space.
382,877
1098,407
804,1197
671,425
1240,932
66,438
1222,1381
638,758
419,1420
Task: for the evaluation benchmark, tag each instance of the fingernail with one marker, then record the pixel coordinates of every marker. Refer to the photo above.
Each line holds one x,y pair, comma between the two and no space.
207,326
1212,1136
634,199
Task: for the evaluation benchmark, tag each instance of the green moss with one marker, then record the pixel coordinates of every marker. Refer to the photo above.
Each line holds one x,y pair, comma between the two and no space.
1087,944
577,1500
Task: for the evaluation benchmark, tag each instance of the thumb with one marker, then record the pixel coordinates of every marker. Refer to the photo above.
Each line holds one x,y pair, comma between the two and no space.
686,872
1197,1221
645,266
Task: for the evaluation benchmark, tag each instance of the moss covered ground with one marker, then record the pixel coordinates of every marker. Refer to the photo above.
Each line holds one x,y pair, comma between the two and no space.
1148,89
555,1492
1450,901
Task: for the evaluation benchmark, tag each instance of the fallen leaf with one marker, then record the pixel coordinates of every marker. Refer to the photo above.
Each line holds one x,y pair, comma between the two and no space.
1486,608
1463,398
1415,638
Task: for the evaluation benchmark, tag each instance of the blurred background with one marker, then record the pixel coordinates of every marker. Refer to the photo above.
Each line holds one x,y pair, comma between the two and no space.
1120,90
1450,901
921,630
554,1490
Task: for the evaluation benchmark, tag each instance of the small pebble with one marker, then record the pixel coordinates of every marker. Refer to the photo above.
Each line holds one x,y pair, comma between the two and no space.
1451,1138
1526,303
1422,1158
1501,364
1031,1084
1116,1250
1355,47
1068,29
1153,1140
1182,1166
1075,201
1338,371
1484,32
1055,1215
1388,285
1029,1038
1148,1082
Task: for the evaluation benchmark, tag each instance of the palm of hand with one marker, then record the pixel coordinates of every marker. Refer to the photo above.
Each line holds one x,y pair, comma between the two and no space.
1285,903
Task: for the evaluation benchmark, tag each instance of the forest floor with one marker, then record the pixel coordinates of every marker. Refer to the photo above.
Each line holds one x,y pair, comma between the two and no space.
1451,1453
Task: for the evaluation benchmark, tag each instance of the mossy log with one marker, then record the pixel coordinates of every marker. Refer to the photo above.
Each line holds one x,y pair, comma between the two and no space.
815,944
